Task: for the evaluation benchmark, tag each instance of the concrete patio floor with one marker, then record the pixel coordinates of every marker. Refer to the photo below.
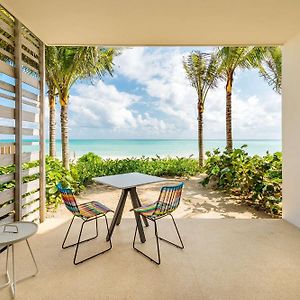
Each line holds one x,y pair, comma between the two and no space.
222,259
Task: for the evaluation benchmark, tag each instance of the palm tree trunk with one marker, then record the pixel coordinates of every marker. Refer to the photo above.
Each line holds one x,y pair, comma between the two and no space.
64,134
229,112
52,126
200,134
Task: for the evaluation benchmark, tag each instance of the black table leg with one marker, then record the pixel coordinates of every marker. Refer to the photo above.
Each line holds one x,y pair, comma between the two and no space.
117,214
135,204
123,195
139,205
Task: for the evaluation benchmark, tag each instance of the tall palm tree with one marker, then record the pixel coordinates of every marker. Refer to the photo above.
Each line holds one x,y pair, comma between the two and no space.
271,68
202,72
50,68
72,64
52,118
231,59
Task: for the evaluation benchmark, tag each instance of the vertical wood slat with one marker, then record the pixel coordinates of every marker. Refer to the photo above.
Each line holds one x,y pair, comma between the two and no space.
42,135
18,121
22,41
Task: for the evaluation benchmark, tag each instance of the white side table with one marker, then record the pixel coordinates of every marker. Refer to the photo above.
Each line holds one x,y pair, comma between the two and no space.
11,234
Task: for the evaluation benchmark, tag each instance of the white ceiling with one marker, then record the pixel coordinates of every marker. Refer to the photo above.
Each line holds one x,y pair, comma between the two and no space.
159,22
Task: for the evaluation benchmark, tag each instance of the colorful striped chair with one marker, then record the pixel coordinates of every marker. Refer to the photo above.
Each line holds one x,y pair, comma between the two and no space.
167,202
88,211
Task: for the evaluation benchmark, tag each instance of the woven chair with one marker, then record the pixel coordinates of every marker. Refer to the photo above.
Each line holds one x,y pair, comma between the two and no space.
87,212
167,202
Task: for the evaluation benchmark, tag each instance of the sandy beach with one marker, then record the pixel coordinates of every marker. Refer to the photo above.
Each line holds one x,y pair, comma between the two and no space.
197,201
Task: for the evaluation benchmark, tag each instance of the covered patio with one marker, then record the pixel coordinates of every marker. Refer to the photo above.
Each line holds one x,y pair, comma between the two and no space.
223,259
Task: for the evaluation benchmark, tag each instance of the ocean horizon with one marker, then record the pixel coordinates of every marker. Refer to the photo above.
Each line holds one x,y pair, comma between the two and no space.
122,148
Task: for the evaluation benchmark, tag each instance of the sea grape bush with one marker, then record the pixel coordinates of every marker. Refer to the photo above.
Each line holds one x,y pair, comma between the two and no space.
91,165
256,179
55,173
11,169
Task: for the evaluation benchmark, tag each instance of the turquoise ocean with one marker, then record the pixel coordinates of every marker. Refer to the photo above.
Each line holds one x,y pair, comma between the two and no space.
118,148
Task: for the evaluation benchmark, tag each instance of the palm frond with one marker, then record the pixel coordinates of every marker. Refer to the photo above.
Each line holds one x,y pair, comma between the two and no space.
202,72
271,68
66,65
239,57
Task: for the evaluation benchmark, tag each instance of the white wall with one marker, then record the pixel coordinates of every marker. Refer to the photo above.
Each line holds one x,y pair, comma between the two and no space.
291,131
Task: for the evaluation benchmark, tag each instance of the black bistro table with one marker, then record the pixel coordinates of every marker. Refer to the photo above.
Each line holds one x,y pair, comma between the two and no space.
128,183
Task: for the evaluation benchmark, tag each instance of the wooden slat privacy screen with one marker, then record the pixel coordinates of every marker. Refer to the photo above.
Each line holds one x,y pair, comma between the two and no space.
22,84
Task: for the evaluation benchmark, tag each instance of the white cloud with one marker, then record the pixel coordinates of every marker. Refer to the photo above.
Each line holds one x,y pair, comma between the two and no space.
100,105
160,103
253,117
161,74
139,64
102,110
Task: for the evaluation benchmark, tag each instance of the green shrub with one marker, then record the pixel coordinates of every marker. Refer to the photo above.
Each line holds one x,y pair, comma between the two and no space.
11,169
256,178
56,173
87,167
90,165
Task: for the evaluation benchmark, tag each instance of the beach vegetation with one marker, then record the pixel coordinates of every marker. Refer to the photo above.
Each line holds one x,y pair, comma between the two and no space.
257,180
57,173
91,165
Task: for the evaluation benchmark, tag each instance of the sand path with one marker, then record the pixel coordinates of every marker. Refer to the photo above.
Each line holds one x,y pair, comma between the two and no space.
197,201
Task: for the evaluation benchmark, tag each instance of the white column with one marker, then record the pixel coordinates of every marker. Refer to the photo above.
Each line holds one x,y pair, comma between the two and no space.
291,130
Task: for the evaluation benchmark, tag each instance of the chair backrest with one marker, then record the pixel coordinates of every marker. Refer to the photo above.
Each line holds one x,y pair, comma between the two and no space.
169,199
69,199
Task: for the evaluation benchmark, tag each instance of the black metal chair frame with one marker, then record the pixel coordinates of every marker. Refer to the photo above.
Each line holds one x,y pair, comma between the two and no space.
86,240
168,201
158,261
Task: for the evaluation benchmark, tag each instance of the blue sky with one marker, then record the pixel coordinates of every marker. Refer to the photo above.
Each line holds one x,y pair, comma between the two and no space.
150,97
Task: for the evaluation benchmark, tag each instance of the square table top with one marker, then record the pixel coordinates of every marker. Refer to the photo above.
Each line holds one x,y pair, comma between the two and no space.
128,180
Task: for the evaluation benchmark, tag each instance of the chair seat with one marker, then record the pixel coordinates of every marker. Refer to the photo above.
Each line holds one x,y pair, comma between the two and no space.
92,209
154,210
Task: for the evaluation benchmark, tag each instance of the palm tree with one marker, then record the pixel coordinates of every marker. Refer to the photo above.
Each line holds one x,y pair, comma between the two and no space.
231,59
50,68
52,118
72,64
202,72
271,68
